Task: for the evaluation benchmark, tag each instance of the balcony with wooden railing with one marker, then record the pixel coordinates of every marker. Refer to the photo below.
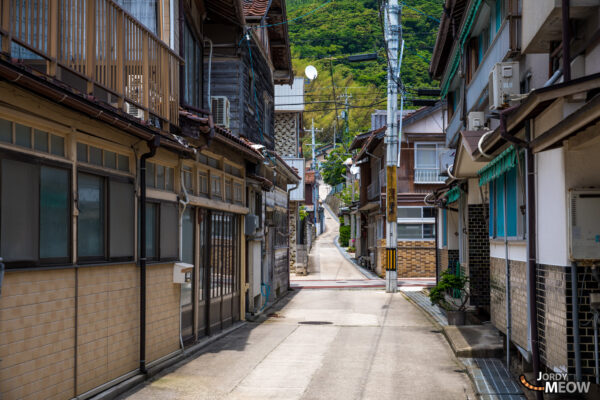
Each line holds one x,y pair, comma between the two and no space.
97,48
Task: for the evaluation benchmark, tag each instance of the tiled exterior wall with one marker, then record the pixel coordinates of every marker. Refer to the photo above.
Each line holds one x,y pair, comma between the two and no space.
162,313
553,304
285,134
107,324
518,298
479,255
446,258
416,259
37,335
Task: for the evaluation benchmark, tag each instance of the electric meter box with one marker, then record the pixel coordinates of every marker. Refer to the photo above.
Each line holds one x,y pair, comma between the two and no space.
584,224
182,273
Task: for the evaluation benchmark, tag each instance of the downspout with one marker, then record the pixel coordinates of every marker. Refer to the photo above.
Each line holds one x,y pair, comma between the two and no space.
507,273
153,144
531,257
566,40
575,312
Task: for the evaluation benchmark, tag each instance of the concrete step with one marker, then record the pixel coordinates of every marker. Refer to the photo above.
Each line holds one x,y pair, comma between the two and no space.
474,341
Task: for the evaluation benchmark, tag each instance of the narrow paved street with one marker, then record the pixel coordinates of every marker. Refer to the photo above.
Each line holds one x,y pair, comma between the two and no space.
323,344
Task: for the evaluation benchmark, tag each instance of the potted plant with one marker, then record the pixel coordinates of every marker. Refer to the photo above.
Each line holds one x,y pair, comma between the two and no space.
449,282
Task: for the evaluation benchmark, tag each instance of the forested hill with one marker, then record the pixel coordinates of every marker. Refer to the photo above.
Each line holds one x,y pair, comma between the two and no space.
346,27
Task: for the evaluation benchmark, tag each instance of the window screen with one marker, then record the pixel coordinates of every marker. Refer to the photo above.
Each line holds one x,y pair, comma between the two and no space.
90,226
121,221
20,198
169,215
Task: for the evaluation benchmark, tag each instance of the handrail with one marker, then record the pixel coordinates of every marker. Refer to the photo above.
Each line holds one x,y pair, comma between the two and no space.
97,48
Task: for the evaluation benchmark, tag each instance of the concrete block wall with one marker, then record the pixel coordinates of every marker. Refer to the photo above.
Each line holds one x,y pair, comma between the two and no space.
479,255
416,259
37,335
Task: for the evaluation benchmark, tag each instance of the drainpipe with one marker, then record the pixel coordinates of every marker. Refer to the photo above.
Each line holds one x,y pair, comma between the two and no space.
507,267
531,257
566,40
184,204
575,311
153,145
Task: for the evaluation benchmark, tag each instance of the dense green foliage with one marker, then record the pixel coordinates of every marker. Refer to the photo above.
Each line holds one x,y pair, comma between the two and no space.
450,282
333,169
344,239
345,27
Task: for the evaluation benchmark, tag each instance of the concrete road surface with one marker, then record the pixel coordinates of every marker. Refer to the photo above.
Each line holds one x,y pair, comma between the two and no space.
323,344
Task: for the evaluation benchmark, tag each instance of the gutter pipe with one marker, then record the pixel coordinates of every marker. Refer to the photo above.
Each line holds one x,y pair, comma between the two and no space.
575,311
184,203
531,257
153,145
566,40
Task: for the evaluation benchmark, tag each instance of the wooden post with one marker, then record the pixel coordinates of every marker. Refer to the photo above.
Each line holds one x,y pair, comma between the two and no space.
120,58
90,46
145,76
53,37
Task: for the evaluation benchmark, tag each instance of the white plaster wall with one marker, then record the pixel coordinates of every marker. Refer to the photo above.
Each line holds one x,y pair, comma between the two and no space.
583,165
475,192
430,124
551,206
517,251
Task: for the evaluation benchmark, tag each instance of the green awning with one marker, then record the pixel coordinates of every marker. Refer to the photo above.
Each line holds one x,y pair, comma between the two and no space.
498,166
453,194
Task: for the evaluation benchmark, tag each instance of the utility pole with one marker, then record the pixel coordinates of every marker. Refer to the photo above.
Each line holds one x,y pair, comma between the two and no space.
392,32
316,169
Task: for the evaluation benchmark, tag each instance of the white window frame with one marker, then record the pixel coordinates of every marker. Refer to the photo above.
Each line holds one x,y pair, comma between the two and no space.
416,221
439,148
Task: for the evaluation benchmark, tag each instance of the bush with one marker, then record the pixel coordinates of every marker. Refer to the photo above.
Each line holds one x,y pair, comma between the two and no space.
450,282
351,249
344,235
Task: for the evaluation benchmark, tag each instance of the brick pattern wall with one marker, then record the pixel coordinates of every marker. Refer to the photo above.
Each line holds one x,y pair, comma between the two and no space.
107,324
553,287
37,335
162,313
479,254
446,258
416,259
518,298
285,134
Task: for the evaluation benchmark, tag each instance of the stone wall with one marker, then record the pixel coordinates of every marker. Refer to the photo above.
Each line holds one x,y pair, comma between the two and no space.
416,259
293,228
518,298
479,255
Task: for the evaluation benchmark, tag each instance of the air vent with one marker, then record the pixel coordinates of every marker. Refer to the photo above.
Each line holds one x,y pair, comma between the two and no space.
574,210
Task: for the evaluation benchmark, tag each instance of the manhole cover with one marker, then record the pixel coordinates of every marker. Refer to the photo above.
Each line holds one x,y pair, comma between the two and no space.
316,322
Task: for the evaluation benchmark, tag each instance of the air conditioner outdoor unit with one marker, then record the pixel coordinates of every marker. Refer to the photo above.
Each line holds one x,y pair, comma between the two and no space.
584,224
476,120
220,110
134,111
503,83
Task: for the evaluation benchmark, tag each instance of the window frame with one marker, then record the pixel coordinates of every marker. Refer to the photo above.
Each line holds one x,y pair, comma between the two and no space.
188,26
439,148
159,258
519,203
39,162
417,221
106,178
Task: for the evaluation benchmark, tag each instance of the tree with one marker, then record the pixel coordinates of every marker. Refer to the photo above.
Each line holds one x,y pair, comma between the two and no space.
333,168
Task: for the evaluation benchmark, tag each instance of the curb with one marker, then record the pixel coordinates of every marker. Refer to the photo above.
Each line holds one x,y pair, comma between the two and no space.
367,274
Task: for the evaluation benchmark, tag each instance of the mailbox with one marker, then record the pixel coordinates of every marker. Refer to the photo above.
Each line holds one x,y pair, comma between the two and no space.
182,273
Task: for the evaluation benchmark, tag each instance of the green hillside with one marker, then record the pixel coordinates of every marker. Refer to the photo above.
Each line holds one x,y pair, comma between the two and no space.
345,27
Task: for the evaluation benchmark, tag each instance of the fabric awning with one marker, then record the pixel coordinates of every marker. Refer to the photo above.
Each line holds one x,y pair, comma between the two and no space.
453,194
498,166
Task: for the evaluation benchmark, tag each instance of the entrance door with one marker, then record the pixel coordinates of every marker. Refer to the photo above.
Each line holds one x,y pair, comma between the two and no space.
220,233
186,300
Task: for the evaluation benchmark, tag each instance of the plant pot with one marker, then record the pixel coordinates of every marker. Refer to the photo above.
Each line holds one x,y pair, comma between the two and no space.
456,317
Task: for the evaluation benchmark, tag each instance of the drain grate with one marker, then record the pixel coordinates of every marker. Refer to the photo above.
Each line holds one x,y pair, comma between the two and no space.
315,322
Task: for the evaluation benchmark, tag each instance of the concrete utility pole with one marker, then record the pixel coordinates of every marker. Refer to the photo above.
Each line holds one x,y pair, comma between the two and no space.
316,169
392,33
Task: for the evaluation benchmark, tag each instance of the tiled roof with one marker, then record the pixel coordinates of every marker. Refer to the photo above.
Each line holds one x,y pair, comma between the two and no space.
255,8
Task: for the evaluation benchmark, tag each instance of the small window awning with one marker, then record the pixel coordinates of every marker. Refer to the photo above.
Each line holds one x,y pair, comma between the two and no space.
453,194
498,166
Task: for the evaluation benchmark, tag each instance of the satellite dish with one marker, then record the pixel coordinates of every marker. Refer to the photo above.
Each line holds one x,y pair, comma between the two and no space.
310,72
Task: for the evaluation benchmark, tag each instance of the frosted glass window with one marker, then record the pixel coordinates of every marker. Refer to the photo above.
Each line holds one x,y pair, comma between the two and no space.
90,226
41,141
121,211
82,154
145,11
160,177
5,131
123,163
426,156
95,156
410,231
54,213
169,221
57,145
19,212
110,159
